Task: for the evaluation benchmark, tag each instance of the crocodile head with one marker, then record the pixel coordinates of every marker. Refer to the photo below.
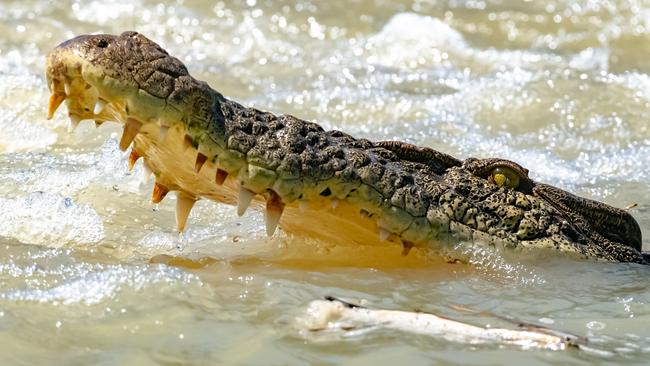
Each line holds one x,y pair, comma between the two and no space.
313,182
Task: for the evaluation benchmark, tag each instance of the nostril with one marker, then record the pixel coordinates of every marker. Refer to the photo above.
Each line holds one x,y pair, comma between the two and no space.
612,223
102,43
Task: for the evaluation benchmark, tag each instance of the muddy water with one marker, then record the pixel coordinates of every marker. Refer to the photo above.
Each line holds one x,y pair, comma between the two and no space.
560,86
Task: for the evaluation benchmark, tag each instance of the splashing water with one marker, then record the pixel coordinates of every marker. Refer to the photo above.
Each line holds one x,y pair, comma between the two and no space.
561,87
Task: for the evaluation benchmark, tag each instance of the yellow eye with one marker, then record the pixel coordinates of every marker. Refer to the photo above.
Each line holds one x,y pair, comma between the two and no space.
504,177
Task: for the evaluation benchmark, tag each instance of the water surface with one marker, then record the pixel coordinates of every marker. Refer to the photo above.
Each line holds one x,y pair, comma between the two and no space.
561,87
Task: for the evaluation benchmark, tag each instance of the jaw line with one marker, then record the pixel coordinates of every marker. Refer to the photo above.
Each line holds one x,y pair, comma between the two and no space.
357,240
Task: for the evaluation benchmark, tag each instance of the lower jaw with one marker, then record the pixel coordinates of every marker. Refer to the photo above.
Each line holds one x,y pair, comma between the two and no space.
319,232
344,235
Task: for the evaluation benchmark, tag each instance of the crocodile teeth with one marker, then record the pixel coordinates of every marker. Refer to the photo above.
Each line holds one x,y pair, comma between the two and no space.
383,234
163,132
406,247
220,176
244,200
67,88
74,122
99,106
200,160
131,129
184,204
55,101
187,142
335,203
133,158
274,208
159,192
302,205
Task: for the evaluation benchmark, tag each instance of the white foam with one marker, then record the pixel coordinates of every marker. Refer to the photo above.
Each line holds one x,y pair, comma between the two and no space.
23,96
93,285
20,134
50,220
410,40
69,172
103,12
591,58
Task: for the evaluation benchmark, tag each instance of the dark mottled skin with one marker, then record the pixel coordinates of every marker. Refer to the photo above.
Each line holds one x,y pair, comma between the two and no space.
443,196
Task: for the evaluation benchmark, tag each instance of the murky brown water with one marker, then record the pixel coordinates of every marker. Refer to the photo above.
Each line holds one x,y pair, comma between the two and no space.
559,86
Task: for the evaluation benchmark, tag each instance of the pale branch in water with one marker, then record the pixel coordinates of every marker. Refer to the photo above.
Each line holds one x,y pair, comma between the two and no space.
334,318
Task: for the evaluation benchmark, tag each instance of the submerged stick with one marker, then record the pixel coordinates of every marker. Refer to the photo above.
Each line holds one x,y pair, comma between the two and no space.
334,315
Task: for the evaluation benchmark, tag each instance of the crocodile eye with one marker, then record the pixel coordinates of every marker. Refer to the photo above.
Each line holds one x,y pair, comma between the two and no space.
504,176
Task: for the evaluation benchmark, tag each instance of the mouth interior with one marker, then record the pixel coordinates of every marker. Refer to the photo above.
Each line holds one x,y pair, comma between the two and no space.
345,236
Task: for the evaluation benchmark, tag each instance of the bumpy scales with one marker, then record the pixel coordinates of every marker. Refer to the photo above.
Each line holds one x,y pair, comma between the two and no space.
320,183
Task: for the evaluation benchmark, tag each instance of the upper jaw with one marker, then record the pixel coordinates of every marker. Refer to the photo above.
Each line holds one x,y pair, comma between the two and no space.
83,100
72,77
66,83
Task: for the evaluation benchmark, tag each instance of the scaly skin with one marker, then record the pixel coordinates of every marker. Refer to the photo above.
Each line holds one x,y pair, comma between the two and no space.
327,183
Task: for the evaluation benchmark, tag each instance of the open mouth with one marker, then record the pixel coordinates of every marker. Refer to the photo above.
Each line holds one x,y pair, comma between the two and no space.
311,182
179,163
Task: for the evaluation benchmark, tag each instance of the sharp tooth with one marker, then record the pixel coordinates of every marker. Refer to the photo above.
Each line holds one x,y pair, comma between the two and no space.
383,234
200,160
221,176
244,200
133,158
303,205
99,106
131,129
66,87
406,247
74,122
146,173
55,85
335,203
159,192
55,101
187,142
163,132
274,208
184,204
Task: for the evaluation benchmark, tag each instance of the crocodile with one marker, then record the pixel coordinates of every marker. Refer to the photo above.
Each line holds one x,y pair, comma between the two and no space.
324,184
